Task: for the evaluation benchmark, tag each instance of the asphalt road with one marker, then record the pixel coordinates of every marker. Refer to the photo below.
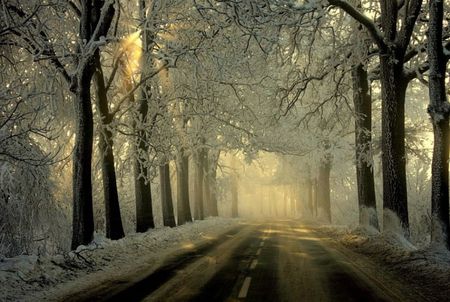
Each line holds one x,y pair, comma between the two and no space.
273,261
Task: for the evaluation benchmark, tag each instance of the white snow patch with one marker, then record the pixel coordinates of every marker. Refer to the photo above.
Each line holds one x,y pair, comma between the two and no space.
369,218
393,231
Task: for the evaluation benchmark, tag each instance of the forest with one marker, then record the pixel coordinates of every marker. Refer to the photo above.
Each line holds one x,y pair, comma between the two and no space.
121,119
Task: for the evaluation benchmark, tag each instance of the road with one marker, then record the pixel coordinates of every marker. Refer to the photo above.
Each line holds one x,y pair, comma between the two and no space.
273,261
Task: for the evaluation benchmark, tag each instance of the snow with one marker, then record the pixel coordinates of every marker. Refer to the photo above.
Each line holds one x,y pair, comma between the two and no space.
368,219
427,270
33,277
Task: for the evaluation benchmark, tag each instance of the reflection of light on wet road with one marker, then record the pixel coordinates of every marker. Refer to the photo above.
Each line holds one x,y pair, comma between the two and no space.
188,246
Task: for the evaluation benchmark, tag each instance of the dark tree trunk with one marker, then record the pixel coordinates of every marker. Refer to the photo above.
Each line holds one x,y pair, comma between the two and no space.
393,79
323,191
393,41
199,213
83,217
207,187
166,196
143,196
143,191
393,88
439,113
114,228
211,162
208,194
183,205
363,142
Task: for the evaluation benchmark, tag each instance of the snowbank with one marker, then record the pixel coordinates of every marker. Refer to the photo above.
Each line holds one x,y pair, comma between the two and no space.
427,269
34,278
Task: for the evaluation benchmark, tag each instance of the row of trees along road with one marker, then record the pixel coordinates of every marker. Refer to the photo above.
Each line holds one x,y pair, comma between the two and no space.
164,84
397,41
128,76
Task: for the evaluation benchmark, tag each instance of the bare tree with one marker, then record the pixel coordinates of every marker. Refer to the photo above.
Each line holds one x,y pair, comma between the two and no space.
439,110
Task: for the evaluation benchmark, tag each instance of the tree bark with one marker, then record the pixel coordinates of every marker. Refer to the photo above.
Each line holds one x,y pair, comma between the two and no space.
166,196
143,192
113,219
211,161
439,113
393,89
323,191
183,205
208,197
142,189
363,142
392,43
83,218
199,213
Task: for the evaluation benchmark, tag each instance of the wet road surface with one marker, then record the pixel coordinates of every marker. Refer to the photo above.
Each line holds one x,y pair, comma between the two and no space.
271,261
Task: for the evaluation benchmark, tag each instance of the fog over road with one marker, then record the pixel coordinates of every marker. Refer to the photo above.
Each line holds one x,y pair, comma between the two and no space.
271,261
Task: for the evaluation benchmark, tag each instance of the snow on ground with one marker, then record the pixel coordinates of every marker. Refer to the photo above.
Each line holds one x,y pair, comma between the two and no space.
34,278
427,270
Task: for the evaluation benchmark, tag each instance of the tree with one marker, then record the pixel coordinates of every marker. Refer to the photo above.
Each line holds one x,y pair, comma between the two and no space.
199,183
323,190
183,204
113,219
439,110
143,193
392,39
363,147
166,195
95,20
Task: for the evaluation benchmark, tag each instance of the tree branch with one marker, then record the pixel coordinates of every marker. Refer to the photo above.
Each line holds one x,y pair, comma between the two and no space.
373,30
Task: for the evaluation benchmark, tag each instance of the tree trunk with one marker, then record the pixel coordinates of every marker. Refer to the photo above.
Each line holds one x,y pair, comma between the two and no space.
113,219
143,192
309,186
198,186
323,191
143,196
363,142
211,161
439,113
393,88
295,200
91,28
393,41
315,197
183,206
83,217
234,196
166,196
208,197
142,189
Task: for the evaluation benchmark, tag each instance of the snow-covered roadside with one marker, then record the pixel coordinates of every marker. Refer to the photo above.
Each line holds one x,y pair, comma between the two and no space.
33,278
427,270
